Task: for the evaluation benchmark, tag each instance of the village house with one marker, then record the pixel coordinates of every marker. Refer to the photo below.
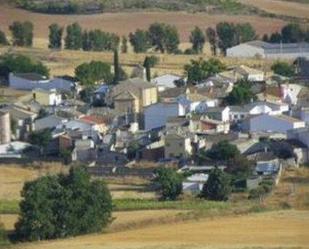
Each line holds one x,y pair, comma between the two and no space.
133,95
46,97
177,146
218,113
156,115
100,123
244,73
165,81
271,123
238,113
49,122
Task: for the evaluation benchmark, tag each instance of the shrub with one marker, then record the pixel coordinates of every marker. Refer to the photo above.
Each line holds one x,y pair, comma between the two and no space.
63,205
217,187
170,183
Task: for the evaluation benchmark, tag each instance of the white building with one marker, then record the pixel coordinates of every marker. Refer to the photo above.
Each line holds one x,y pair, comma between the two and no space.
165,81
238,113
269,50
194,183
290,93
243,73
271,123
156,115
47,97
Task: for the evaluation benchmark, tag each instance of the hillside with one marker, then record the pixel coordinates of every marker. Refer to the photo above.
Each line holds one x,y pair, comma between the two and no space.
95,6
122,23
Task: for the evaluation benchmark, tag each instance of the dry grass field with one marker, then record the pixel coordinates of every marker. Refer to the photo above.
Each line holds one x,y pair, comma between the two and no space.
65,61
13,177
125,22
286,8
282,229
150,229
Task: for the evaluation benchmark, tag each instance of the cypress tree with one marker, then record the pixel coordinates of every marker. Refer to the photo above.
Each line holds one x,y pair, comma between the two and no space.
116,67
147,67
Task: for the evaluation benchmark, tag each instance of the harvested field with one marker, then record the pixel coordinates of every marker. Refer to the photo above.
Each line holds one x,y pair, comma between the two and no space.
122,220
282,229
125,22
13,177
65,61
287,8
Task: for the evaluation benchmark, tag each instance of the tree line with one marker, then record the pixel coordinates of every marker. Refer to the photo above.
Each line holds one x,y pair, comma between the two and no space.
161,37
290,33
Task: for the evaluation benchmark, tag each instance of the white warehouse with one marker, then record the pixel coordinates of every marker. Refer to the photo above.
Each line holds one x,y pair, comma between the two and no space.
269,50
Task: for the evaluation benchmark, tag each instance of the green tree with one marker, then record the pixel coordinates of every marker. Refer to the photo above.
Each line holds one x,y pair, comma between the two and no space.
212,39
41,138
245,32
223,151
74,37
92,72
164,37
86,44
275,38
197,38
55,36
12,63
63,205
140,41
227,35
170,183
241,94
199,70
98,40
283,68
292,33
217,187
22,33
3,39
116,67
124,45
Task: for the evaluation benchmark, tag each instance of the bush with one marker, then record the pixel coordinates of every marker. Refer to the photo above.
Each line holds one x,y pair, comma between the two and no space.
255,193
283,68
63,205
170,183
217,187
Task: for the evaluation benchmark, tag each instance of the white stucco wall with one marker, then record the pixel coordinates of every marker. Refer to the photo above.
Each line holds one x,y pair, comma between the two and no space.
269,123
244,50
156,115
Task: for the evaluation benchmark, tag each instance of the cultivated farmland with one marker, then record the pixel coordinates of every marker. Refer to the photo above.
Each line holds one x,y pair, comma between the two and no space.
123,23
286,8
